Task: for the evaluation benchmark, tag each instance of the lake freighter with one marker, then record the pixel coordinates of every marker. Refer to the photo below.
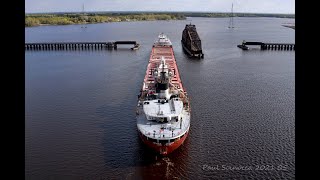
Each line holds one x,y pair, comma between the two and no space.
163,110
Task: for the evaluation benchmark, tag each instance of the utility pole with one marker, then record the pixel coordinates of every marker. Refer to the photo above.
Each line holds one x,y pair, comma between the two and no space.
231,18
83,16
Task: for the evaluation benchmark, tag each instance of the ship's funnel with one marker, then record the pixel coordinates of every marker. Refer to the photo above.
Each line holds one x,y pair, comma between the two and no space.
162,85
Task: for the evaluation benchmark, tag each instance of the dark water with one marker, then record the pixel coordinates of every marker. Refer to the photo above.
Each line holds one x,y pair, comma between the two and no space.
80,105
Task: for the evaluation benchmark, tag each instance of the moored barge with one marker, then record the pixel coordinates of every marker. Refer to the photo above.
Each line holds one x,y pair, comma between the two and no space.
191,42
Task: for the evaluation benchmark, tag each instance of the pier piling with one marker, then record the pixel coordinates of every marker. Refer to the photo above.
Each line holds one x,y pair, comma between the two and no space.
76,45
269,46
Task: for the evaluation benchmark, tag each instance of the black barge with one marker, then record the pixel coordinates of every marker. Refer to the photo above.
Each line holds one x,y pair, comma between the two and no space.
191,42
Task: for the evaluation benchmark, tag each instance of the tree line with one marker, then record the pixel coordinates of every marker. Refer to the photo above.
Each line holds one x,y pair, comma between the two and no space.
78,18
35,20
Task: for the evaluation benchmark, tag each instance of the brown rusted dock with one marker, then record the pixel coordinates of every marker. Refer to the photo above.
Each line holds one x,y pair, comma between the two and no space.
77,45
268,46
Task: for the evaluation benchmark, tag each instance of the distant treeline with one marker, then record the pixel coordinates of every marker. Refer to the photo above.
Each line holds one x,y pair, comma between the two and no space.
193,14
64,19
238,15
78,18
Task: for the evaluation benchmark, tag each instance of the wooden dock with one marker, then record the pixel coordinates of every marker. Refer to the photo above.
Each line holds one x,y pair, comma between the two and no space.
77,45
268,46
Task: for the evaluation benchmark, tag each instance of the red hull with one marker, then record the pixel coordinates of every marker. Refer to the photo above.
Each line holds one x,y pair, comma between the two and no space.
163,149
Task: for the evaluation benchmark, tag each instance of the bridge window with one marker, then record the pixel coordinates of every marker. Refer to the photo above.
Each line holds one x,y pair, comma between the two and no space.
172,140
163,141
152,140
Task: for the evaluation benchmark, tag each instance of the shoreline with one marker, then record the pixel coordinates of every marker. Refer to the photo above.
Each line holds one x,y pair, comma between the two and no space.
290,26
32,20
68,19
98,23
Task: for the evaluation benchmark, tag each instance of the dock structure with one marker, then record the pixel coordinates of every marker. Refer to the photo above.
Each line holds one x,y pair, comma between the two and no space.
269,46
77,45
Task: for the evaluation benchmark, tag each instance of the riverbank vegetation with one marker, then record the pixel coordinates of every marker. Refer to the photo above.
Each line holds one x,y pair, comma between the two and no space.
64,19
79,18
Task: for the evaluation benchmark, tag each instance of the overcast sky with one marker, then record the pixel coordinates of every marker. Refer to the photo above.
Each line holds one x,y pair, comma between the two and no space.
248,6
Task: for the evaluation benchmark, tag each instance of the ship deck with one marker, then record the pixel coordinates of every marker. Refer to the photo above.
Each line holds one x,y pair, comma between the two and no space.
155,59
165,131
